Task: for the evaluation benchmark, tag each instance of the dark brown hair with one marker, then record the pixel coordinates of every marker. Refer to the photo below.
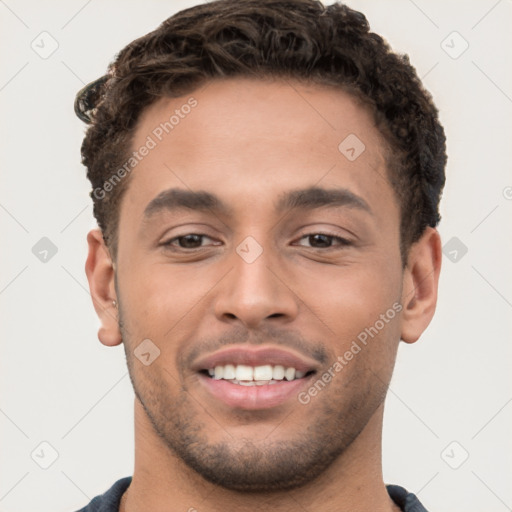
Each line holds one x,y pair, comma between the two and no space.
298,39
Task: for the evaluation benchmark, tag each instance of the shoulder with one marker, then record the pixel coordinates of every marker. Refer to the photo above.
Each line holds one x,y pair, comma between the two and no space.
407,501
108,501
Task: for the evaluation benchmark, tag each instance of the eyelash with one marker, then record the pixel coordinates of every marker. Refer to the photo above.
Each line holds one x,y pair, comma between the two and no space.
343,242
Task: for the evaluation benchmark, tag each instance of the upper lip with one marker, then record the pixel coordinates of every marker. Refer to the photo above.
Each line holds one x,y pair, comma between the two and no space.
255,356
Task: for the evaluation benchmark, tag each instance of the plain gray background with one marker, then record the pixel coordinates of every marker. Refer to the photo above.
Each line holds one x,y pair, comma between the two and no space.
450,397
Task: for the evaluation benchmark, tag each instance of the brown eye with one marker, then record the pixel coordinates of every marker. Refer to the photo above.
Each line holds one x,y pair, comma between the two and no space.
320,240
188,241
324,241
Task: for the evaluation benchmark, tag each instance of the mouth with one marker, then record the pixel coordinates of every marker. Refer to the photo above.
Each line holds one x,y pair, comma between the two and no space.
244,375
256,378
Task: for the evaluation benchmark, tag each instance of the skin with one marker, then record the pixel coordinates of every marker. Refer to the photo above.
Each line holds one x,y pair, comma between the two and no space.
249,141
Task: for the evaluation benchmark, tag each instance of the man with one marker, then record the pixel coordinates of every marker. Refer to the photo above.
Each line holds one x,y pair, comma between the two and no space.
266,178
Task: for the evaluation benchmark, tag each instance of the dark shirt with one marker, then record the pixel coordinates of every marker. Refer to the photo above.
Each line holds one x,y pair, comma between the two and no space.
109,501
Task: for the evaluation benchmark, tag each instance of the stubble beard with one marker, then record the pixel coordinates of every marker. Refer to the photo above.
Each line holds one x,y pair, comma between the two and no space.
244,465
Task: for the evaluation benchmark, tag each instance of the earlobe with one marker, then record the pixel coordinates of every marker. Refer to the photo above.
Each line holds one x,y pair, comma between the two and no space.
100,274
420,285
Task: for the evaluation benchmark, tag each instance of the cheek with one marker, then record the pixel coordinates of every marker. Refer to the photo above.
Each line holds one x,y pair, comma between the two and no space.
160,300
355,303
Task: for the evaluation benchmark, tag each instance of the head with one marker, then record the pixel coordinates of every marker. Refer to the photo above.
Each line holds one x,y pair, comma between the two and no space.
266,175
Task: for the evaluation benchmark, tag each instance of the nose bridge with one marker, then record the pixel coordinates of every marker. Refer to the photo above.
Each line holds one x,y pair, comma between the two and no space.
254,290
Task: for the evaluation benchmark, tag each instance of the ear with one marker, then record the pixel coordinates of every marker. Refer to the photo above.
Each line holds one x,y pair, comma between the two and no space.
100,274
420,283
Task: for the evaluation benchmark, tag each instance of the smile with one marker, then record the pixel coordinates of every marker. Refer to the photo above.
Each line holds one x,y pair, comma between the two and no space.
254,378
244,375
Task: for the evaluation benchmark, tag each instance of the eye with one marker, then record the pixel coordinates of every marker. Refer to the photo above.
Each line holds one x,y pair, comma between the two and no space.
188,241
324,241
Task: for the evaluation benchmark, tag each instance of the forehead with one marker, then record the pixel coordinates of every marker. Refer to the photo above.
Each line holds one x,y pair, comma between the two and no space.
253,139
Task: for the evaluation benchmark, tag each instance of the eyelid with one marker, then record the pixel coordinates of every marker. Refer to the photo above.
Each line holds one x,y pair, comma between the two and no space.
187,228
344,241
167,241
310,230
328,228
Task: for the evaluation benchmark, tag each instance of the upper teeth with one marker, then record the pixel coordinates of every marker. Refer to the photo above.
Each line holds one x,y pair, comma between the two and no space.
265,373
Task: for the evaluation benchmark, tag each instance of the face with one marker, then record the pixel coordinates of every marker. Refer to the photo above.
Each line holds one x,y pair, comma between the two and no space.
252,246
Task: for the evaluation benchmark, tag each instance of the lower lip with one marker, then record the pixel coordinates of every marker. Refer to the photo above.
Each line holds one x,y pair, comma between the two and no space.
253,397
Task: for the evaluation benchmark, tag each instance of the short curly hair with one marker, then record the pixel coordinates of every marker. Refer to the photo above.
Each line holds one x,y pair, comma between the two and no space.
297,39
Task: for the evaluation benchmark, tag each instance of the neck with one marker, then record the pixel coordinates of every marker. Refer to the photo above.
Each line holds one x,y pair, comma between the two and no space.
162,482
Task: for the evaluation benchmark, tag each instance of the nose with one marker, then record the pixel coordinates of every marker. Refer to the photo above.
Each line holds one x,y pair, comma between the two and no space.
256,292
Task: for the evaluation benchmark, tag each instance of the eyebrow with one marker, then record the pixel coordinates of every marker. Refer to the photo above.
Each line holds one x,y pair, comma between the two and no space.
316,197
180,199
307,199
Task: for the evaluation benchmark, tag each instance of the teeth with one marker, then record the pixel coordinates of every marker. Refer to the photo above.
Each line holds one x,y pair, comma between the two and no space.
278,372
229,372
254,382
289,373
244,372
254,376
263,372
